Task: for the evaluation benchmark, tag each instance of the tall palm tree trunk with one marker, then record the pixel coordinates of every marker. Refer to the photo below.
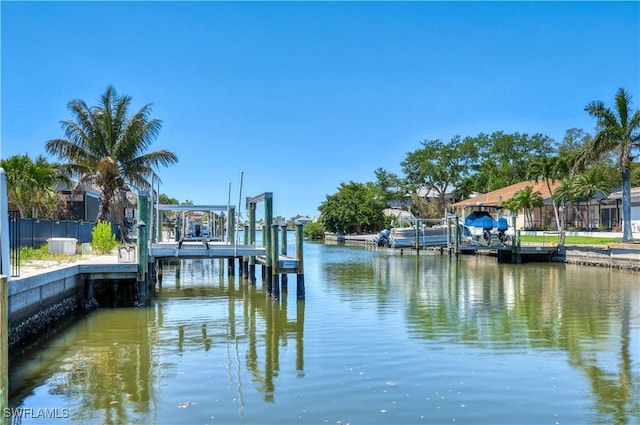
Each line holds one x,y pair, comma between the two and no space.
627,234
553,203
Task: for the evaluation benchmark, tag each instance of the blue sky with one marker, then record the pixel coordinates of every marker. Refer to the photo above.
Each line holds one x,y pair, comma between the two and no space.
302,96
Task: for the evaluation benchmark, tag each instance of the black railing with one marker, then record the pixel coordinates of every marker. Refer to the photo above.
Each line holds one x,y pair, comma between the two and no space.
14,242
33,233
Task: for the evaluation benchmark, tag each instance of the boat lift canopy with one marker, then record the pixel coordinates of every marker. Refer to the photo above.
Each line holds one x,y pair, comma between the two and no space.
209,208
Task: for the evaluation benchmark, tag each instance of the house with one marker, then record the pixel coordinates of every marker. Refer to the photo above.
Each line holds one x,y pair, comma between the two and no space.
541,216
598,212
82,205
425,198
614,204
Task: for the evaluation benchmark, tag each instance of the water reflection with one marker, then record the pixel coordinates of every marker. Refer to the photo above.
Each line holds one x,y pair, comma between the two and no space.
109,367
250,317
514,308
388,339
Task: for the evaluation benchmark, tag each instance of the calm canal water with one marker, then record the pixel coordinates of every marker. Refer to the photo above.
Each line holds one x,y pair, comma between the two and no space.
380,339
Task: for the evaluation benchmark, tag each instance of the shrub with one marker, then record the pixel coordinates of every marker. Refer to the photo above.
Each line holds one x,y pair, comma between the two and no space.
103,240
28,253
313,230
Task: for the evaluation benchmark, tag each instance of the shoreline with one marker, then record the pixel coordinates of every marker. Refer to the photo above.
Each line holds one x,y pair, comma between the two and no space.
623,256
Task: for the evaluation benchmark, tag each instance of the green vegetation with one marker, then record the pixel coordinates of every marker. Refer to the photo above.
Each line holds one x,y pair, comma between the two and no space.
41,254
584,165
313,230
525,200
107,147
618,132
31,186
103,240
356,208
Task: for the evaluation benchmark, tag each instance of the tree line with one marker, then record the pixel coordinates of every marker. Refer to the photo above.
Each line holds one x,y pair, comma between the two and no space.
583,164
104,147
107,148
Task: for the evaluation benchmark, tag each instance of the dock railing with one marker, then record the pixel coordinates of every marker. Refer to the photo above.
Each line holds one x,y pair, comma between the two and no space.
552,238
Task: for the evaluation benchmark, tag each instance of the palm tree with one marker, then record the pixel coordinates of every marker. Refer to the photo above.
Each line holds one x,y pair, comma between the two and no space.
619,132
525,199
107,147
31,184
549,169
568,192
588,184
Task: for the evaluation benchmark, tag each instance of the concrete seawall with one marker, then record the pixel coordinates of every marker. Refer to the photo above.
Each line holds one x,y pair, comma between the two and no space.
614,255
617,255
41,300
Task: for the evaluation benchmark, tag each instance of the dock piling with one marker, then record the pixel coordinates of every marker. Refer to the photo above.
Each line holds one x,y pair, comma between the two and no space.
300,291
283,251
275,277
244,271
143,245
252,241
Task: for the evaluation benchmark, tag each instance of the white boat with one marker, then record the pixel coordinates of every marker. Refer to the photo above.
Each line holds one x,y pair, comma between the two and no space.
486,225
405,237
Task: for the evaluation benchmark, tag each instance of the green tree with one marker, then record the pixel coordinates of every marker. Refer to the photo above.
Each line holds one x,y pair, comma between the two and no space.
31,184
504,158
549,169
313,230
589,183
107,147
569,191
166,200
573,141
355,208
525,200
439,167
617,131
391,185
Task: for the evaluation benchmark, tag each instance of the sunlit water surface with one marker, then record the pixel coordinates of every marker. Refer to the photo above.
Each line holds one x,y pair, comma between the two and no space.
380,339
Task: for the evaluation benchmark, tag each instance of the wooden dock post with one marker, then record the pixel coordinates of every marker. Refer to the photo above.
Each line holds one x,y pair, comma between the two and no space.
300,291
283,251
515,243
448,234
231,266
457,235
244,271
252,241
516,257
268,220
275,277
4,347
143,245
231,238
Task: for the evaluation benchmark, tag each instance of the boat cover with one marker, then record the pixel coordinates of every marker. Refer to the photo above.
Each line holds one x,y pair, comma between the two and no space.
484,220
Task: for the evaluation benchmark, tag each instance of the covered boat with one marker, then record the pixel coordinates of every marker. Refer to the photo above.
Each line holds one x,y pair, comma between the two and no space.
483,224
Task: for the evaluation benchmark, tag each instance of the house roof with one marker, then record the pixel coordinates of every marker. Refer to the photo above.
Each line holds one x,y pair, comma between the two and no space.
635,194
497,197
428,192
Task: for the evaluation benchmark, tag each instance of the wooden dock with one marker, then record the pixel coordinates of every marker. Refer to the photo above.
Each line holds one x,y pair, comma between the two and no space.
203,249
525,253
219,241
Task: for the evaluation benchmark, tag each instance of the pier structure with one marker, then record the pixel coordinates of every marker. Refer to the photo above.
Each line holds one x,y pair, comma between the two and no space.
210,231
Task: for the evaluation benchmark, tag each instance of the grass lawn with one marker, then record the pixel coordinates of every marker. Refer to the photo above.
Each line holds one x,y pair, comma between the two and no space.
571,240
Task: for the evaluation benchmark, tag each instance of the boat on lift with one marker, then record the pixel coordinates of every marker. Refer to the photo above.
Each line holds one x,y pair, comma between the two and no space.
486,224
428,233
